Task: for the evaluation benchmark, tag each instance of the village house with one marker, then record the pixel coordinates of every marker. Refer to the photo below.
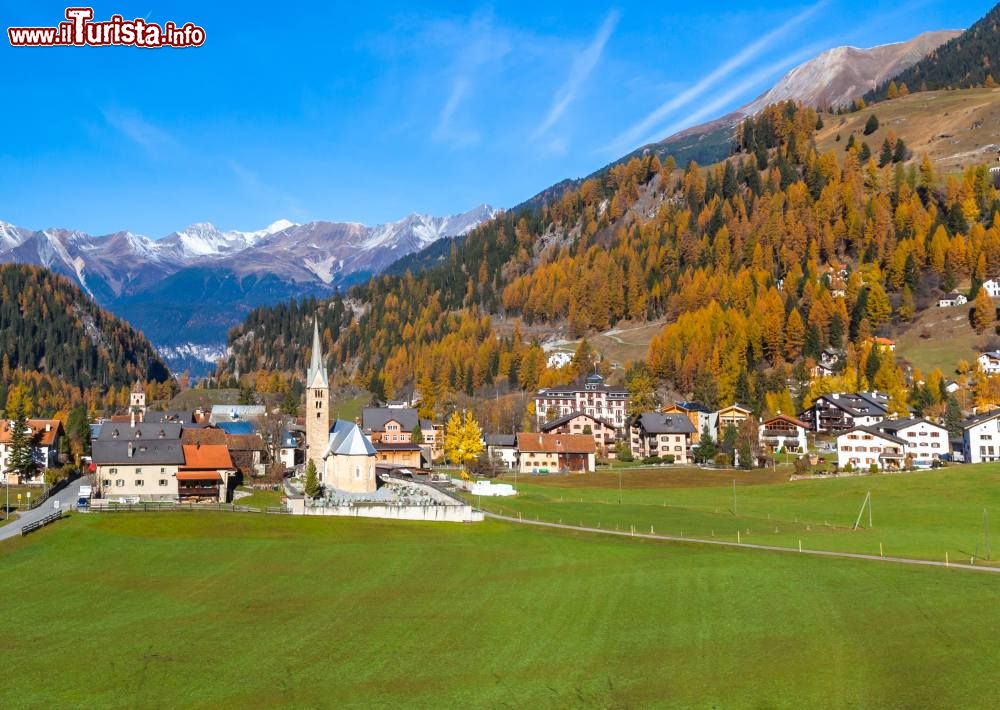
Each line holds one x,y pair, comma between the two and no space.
841,411
926,442
981,437
291,449
733,415
138,461
827,365
992,287
502,449
989,362
605,435
883,344
45,436
699,415
555,453
659,434
401,454
782,433
206,474
396,425
862,446
593,397
349,460
952,299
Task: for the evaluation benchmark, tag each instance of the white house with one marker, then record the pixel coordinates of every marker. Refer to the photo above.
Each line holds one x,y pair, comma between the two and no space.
785,434
951,387
952,299
502,449
989,362
861,447
593,397
992,287
981,437
559,358
926,442
44,436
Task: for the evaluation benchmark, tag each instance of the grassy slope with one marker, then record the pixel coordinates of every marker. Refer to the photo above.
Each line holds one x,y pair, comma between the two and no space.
921,515
939,123
205,398
217,610
940,337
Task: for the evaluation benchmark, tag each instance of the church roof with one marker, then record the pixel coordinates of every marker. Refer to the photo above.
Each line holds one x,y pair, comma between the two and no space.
316,376
347,439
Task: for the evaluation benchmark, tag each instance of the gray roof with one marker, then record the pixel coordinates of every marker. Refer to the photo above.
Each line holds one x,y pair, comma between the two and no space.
233,412
143,452
180,417
880,434
980,418
860,404
659,423
893,425
501,440
558,422
375,418
347,439
142,431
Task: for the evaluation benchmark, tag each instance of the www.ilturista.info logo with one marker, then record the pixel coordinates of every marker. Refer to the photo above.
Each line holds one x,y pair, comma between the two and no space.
80,30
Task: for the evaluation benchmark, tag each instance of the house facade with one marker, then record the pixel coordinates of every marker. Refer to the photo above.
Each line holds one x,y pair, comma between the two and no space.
555,453
733,415
989,362
395,425
502,450
926,442
697,413
593,397
404,455
205,475
783,433
138,461
861,447
952,299
658,434
605,435
45,436
992,287
842,411
981,437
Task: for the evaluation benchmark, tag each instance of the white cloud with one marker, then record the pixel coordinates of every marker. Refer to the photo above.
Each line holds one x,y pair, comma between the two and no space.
580,69
156,142
628,138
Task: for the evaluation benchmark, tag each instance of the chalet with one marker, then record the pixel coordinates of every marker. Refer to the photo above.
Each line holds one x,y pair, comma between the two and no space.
555,453
658,434
592,397
502,449
291,451
981,437
952,299
396,425
735,415
45,435
926,442
783,433
883,344
206,474
699,415
397,453
827,365
861,447
989,362
842,411
138,460
992,287
605,435
951,387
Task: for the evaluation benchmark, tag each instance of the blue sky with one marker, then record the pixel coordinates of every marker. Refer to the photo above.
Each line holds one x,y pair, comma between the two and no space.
368,111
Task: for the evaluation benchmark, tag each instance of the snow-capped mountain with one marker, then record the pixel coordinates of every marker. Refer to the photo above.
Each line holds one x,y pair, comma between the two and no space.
188,288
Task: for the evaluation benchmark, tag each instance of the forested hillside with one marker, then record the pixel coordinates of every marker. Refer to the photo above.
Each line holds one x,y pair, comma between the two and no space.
758,263
66,349
968,61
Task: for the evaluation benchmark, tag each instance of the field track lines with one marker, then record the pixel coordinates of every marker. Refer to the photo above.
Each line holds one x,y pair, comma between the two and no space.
746,545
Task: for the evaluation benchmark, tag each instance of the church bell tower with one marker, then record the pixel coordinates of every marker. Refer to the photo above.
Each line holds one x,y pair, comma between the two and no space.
317,405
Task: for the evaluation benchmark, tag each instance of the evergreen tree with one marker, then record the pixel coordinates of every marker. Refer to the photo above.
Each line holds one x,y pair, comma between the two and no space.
885,154
312,480
417,435
706,448
21,459
953,417
871,125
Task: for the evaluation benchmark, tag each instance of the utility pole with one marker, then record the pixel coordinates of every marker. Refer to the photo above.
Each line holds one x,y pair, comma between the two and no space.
734,497
619,486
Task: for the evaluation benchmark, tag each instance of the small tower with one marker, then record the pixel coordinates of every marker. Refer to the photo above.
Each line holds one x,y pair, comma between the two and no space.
137,402
317,405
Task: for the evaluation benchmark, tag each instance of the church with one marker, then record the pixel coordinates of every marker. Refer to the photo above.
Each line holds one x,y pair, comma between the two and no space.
343,455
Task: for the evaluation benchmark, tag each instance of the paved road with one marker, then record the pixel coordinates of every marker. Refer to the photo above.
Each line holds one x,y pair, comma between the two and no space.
747,545
67,499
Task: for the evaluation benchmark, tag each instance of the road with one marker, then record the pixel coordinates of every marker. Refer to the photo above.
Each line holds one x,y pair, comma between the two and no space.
747,545
66,498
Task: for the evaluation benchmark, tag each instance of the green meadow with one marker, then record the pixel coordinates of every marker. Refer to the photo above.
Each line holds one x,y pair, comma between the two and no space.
923,514
247,610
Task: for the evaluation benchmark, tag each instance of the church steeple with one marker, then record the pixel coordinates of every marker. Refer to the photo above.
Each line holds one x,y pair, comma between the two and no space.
316,376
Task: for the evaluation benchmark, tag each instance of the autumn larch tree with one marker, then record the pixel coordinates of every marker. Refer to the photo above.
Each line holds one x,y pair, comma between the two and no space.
984,313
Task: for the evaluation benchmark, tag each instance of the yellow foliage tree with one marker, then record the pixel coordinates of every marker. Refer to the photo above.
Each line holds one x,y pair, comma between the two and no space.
463,439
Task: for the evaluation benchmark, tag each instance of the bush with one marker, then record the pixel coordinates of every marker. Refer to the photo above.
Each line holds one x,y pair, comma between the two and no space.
849,468
53,476
651,460
624,452
722,459
871,125
668,458
873,468
801,465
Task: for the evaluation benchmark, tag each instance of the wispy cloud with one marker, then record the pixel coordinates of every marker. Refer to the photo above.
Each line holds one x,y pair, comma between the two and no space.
580,69
713,108
154,141
631,136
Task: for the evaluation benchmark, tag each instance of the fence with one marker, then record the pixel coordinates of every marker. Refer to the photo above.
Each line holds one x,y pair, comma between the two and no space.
50,518
155,507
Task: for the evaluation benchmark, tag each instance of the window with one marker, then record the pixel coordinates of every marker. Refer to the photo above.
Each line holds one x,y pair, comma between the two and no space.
163,481
112,471
138,471
357,472
138,483
107,482
119,483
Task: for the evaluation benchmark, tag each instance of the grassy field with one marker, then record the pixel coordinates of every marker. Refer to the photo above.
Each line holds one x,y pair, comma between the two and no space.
212,610
189,400
921,515
956,128
261,499
940,337
349,406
